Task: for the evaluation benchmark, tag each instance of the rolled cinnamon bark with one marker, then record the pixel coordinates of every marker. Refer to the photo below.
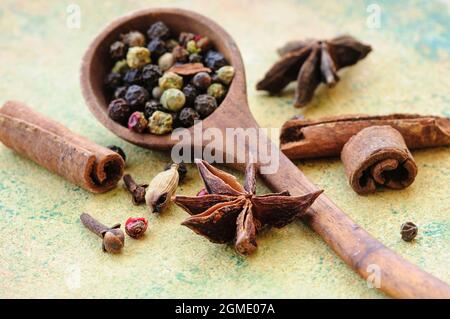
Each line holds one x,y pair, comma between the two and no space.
326,137
378,155
53,146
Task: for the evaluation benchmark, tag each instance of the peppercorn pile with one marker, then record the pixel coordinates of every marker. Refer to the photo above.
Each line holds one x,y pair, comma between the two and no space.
160,81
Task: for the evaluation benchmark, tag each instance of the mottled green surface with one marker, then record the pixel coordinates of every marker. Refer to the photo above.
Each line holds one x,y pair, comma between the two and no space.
45,251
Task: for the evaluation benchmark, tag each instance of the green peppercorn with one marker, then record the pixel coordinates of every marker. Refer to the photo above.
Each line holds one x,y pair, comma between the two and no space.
173,99
137,57
119,111
119,93
201,80
217,91
158,30
191,47
171,43
113,80
170,80
137,122
225,74
120,66
180,54
117,50
160,123
133,39
188,116
166,61
205,104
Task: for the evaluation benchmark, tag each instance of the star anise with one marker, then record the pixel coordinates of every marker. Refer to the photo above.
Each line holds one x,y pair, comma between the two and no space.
232,212
311,62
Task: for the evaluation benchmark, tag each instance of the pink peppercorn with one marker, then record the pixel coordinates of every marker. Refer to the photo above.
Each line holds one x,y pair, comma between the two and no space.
136,226
137,122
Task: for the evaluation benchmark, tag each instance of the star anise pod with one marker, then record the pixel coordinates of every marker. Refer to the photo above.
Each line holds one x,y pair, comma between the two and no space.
232,212
311,62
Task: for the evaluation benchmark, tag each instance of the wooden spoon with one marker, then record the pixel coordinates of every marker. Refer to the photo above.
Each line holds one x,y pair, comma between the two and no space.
354,245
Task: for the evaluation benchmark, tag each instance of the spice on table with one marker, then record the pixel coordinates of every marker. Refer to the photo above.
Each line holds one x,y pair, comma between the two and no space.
138,122
231,212
119,151
135,227
113,237
137,190
182,170
61,151
311,62
161,189
202,192
408,231
168,68
378,156
302,138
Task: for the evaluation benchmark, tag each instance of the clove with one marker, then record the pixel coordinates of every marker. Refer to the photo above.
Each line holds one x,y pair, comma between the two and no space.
137,190
113,237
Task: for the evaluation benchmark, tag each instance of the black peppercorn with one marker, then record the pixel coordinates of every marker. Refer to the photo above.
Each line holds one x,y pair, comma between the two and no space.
180,54
119,111
201,80
195,58
408,231
214,60
150,74
188,116
158,30
119,151
157,47
113,80
119,93
133,76
182,170
136,97
205,104
190,92
151,107
118,50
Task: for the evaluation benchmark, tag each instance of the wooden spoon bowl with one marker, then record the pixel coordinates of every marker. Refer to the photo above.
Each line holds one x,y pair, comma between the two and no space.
362,252
96,64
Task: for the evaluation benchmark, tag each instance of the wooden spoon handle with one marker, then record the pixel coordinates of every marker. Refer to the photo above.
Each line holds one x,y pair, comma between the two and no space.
366,255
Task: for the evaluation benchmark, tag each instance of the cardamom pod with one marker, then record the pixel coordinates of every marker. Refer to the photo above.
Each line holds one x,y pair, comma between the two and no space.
161,189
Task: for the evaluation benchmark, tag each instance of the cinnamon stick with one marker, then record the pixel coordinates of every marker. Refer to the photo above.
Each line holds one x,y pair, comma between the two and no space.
326,137
378,155
61,151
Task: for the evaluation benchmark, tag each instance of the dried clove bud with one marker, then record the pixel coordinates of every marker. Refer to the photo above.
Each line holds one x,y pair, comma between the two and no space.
136,227
113,237
408,231
161,189
137,190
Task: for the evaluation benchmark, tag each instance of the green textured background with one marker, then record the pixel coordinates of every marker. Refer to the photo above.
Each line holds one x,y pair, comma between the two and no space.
45,251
